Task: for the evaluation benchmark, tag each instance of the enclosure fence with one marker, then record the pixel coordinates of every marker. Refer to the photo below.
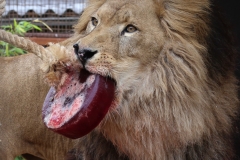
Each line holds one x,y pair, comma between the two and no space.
59,15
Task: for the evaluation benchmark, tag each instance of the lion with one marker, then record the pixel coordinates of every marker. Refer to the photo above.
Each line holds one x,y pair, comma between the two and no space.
21,97
173,64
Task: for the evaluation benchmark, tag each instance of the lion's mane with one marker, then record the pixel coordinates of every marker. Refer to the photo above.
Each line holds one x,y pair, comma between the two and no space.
183,102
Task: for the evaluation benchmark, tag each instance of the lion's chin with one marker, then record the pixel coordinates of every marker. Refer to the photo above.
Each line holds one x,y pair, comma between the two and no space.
79,104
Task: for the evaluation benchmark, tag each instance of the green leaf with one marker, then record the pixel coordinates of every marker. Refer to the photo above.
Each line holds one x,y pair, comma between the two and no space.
2,52
6,50
16,51
19,30
2,43
37,28
19,158
8,28
38,21
15,23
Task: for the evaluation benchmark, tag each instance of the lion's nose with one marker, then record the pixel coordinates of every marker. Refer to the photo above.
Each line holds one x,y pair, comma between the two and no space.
83,54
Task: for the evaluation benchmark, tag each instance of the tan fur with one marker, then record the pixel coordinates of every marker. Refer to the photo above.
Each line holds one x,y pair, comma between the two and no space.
21,99
167,104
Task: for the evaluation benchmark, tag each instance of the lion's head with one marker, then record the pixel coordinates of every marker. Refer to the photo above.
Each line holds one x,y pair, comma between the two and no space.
175,90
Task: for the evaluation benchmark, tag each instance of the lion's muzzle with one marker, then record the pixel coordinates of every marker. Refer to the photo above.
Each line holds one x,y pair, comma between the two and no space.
83,54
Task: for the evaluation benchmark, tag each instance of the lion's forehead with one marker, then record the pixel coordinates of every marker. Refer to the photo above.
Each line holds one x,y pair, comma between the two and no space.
124,10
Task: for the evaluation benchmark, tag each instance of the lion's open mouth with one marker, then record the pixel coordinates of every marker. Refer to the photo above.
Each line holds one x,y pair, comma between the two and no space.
79,105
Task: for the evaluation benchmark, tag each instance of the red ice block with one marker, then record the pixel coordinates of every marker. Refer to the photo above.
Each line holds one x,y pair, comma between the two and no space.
79,105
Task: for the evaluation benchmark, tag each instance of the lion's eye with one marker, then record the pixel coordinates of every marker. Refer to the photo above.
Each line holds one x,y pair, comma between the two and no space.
94,21
130,29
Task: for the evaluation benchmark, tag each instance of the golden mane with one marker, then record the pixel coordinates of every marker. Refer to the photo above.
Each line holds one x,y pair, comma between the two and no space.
178,101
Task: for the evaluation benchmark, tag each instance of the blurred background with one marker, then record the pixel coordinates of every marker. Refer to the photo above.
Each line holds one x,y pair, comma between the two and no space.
59,15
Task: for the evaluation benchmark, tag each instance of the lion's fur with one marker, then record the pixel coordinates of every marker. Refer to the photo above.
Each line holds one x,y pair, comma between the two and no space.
22,92
176,92
176,96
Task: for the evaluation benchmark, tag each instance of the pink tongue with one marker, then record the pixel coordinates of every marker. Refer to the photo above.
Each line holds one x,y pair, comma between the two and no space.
79,105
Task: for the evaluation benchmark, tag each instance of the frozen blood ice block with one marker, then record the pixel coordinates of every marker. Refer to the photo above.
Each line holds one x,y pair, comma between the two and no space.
79,105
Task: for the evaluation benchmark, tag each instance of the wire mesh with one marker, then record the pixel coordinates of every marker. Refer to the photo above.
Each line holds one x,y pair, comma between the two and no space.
59,15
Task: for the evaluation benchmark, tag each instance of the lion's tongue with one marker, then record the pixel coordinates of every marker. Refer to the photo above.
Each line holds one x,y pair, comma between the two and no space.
79,105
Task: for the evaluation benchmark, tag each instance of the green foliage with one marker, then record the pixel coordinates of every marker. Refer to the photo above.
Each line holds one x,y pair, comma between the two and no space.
19,158
20,28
